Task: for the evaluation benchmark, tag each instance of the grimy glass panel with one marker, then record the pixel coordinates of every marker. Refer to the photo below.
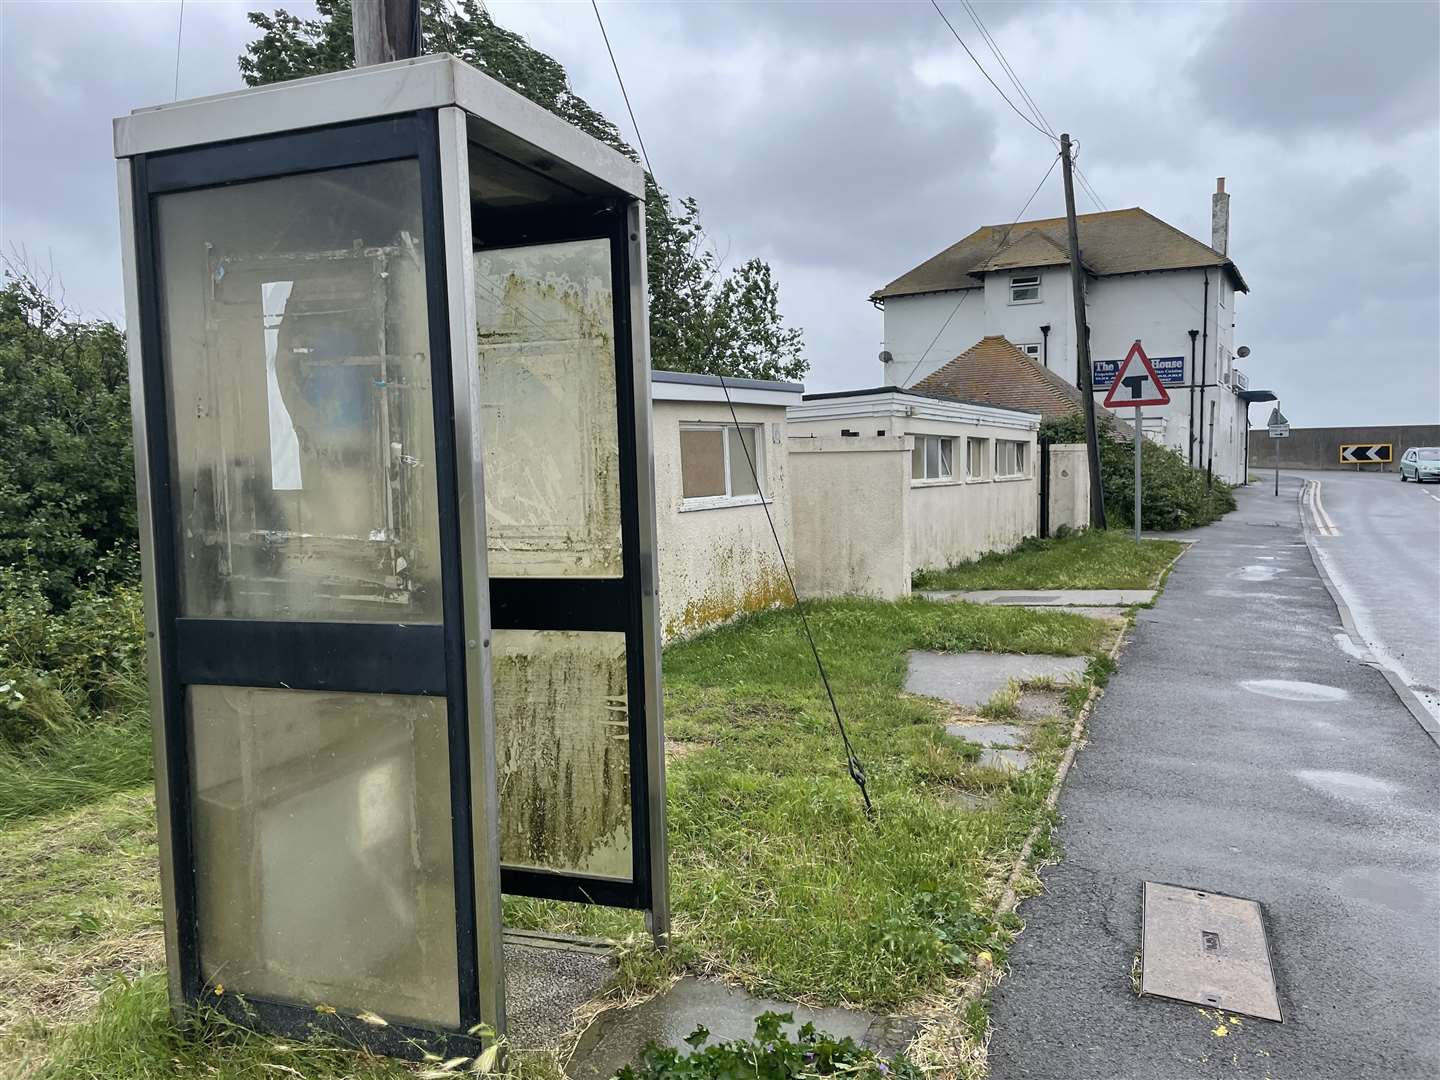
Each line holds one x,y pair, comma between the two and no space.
297,354
562,731
323,859
547,390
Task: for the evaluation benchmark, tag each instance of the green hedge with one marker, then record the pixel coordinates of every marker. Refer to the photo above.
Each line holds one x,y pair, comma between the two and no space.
1173,495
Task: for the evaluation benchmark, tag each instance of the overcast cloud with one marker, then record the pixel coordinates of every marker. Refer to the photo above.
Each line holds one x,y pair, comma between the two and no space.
847,142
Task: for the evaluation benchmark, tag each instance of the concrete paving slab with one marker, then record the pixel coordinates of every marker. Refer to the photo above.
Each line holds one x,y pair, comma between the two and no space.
983,734
1047,598
544,985
1108,614
971,679
617,1037
1004,760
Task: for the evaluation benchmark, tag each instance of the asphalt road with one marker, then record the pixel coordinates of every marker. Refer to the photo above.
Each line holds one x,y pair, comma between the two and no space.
1382,553
1243,747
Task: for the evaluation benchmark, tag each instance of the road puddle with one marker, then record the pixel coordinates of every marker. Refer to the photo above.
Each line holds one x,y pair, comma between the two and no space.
1287,690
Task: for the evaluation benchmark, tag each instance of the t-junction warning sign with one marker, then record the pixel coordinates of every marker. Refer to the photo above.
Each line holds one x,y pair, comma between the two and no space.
1364,453
1136,384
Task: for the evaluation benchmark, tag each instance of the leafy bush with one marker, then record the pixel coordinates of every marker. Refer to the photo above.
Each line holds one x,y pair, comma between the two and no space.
62,672
67,482
771,1055
1173,495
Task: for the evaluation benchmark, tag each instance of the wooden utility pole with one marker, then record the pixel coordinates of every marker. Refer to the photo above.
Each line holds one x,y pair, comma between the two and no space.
1082,344
385,30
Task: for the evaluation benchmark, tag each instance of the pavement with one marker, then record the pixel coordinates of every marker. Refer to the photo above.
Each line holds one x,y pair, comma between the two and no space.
1245,746
1379,542
971,679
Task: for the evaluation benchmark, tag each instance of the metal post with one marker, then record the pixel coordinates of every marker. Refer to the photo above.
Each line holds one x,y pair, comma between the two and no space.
1277,462
1138,436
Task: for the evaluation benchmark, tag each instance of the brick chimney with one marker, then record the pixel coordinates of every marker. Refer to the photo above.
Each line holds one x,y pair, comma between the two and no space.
1220,218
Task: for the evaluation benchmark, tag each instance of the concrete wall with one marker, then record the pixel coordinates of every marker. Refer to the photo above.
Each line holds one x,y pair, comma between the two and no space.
1069,487
849,501
955,522
720,561
1319,448
1158,308
945,521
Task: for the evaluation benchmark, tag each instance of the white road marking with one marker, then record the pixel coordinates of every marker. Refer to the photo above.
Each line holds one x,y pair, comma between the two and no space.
1430,493
1323,524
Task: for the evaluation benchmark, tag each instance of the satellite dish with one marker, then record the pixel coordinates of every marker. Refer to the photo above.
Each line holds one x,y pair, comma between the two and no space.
1243,351
885,356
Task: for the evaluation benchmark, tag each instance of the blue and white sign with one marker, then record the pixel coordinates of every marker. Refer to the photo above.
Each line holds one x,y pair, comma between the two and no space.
1171,370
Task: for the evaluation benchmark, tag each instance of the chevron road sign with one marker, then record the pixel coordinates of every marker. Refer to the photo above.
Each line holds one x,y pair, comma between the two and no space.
1364,453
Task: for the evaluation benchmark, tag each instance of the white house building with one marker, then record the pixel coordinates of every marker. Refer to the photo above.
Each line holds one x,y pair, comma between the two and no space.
1143,280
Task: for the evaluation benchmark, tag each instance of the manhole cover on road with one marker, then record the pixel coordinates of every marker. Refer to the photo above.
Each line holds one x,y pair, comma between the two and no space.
1207,949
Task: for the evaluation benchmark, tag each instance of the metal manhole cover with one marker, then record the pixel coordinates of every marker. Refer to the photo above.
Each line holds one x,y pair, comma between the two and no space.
1028,598
1207,949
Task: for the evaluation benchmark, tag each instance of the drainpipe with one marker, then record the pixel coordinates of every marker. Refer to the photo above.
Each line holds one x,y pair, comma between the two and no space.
1191,416
1045,346
1210,460
1204,363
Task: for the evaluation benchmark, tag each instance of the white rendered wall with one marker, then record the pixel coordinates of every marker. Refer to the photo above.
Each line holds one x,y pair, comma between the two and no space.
718,562
850,501
1069,487
946,521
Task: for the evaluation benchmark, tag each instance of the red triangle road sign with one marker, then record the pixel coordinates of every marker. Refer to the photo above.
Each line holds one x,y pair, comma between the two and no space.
1136,383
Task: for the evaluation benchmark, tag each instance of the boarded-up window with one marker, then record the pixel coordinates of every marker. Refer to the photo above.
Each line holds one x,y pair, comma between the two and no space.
721,462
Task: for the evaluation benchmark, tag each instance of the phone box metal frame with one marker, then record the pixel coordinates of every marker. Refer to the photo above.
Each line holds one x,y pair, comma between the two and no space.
494,171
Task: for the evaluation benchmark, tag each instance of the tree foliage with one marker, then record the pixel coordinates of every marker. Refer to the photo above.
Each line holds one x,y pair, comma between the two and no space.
702,318
67,481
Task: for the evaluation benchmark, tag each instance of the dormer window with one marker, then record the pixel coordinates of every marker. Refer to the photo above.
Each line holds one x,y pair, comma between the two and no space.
1025,290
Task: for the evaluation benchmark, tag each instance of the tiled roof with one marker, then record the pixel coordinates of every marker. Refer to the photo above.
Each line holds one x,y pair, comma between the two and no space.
995,372
1115,242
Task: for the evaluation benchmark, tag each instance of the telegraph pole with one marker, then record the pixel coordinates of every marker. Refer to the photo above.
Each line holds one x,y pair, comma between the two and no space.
385,30
1082,343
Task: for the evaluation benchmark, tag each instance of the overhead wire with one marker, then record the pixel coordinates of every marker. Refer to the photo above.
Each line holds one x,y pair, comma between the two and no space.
854,766
179,33
981,67
1025,95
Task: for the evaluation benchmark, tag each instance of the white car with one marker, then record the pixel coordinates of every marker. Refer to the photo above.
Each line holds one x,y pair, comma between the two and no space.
1420,463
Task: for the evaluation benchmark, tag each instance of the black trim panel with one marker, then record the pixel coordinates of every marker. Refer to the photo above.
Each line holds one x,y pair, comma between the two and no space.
362,658
364,143
581,888
559,603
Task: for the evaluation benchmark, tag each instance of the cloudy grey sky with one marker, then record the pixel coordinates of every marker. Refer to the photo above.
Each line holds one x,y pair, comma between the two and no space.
846,142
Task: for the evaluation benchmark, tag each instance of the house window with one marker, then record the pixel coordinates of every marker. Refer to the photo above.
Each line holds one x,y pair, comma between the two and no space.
1025,290
1010,458
1030,349
975,459
933,458
716,461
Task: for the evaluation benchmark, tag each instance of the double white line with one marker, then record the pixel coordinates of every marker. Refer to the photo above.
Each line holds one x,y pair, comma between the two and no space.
1311,498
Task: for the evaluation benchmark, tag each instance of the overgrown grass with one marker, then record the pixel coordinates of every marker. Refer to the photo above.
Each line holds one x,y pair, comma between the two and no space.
1093,559
778,877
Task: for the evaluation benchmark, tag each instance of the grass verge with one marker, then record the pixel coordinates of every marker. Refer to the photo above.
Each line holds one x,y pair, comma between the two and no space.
779,881
1093,559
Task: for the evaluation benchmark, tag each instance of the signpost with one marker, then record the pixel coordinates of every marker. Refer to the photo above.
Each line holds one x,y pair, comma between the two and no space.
1136,385
1279,429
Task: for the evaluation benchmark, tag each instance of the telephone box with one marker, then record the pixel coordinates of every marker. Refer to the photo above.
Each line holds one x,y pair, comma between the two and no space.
389,362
